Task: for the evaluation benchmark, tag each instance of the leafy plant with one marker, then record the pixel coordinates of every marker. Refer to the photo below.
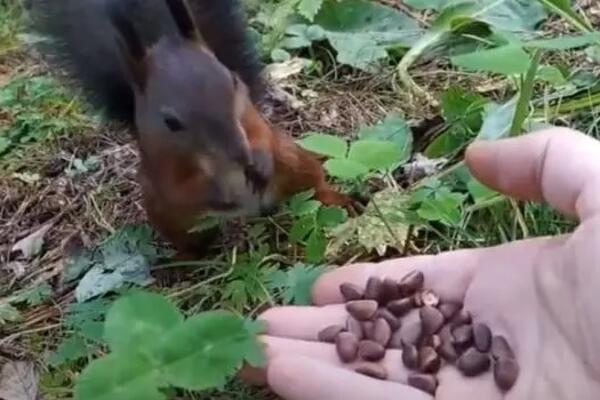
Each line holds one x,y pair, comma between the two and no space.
34,109
295,285
311,222
153,347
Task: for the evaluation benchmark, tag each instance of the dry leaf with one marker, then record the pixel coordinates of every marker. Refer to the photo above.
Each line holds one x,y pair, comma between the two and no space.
19,381
31,245
18,268
280,72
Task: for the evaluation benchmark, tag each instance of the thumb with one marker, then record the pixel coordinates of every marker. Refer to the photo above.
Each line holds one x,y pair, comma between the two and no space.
559,166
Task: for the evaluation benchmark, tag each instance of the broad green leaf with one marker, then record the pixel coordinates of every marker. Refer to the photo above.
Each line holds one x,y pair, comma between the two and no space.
345,169
425,4
120,376
327,145
394,129
479,191
316,245
301,228
445,208
497,120
375,154
331,216
136,320
309,8
565,9
551,75
204,351
565,42
70,349
507,60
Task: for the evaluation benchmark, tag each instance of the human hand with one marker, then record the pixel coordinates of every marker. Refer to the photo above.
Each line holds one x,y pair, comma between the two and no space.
541,294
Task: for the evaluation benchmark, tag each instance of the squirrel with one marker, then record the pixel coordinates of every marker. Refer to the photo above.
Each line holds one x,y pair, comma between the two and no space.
186,78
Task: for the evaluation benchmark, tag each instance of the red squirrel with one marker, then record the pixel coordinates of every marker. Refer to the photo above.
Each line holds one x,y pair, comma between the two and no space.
187,79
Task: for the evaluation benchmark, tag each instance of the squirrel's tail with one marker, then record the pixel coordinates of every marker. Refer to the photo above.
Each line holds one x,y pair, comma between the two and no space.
82,42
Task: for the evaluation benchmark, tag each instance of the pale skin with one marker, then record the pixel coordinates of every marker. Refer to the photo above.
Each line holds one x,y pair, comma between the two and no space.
542,293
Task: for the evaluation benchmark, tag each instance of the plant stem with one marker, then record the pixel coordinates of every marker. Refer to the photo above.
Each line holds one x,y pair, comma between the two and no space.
527,84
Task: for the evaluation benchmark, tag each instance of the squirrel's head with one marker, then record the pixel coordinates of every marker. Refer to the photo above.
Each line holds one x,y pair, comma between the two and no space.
185,97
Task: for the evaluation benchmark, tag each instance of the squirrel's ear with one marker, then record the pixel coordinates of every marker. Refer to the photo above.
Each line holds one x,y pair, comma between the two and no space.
132,48
184,19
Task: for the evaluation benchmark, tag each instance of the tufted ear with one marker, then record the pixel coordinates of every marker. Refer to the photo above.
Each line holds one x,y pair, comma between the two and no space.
184,19
132,48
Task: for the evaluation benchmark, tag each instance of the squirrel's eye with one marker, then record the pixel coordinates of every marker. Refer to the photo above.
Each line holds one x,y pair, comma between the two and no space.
172,121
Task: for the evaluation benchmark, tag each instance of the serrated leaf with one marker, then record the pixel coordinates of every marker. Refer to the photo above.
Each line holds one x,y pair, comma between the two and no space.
327,145
301,228
136,320
375,154
35,296
309,8
345,169
70,349
507,60
125,376
296,283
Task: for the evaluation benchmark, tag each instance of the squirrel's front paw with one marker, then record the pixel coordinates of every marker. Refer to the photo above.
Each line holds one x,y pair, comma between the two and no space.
260,173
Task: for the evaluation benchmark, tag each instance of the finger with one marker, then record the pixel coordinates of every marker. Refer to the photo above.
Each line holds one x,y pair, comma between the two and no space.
327,353
559,166
304,378
449,274
301,322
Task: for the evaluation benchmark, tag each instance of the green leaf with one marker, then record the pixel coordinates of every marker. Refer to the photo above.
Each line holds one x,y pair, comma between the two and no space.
374,154
125,376
497,120
316,246
70,349
136,320
329,217
479,191
445,208
425,4
8,313
327,145
301,229
35,295
296,283
309,8
507,60
394,129
345,169
551,75
565,42
205,350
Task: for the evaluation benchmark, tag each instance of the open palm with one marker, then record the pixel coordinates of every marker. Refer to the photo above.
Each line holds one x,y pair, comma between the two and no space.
541,294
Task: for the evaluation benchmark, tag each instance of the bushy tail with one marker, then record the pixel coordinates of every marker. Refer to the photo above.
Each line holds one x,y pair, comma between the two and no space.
82,42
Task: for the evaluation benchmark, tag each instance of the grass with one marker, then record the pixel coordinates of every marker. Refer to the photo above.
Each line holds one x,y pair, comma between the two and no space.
59,163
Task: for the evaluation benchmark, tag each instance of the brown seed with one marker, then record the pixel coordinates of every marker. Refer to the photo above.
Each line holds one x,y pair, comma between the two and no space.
410,356
430,298
396,340
382,332
328,334
368,328
411,283
449,310
369,350
433,341
401,307
351,292
506,373
425,383
432,320
392,321
362,310
463,335
429,360
473,363
411,333
448,351
355,327
389,291
372,370
501,349
347,346
373,290
461,318
482,335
